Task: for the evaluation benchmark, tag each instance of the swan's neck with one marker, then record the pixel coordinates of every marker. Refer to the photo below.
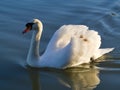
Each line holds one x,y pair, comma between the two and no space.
33,53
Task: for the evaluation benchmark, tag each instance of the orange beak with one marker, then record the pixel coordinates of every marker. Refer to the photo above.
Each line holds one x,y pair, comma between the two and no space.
27,30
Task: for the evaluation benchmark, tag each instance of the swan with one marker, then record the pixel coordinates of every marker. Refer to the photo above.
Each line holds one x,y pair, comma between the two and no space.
70,46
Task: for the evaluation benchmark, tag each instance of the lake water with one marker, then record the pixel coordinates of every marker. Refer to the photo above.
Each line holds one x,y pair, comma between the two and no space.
100,15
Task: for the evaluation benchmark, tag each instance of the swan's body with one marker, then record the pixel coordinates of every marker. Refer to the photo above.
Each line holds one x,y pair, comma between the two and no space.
71,45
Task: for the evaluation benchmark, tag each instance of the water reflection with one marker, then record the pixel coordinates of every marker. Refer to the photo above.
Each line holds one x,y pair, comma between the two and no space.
70,79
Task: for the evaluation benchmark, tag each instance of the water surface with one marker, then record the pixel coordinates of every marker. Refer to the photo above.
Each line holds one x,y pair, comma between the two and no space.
102,16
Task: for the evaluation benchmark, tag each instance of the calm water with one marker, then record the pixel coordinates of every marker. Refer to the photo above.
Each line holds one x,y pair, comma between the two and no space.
100,15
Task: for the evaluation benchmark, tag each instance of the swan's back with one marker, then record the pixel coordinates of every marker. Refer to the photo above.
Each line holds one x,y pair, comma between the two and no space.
63,35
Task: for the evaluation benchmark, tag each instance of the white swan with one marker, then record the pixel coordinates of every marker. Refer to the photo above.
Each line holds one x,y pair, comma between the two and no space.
71,45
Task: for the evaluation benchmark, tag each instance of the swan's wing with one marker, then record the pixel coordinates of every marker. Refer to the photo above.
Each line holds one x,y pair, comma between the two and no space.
62,36
84,42
101,52
66,32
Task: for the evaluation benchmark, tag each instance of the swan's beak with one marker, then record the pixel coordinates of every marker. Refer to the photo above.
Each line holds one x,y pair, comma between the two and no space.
26,30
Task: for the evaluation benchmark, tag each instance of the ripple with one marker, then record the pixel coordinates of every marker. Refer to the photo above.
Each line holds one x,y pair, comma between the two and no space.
109,65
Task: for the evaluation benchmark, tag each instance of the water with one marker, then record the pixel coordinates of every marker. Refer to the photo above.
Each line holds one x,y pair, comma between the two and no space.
102,16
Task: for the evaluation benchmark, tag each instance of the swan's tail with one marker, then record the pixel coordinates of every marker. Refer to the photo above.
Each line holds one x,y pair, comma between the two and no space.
101,52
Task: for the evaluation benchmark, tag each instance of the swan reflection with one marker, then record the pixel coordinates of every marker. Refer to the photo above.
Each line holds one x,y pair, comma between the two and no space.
69,79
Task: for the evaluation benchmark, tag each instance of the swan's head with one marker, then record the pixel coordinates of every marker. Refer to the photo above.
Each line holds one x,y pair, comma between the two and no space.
35,24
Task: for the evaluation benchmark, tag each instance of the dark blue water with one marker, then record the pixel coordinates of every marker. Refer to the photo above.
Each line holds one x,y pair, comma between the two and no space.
100,15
